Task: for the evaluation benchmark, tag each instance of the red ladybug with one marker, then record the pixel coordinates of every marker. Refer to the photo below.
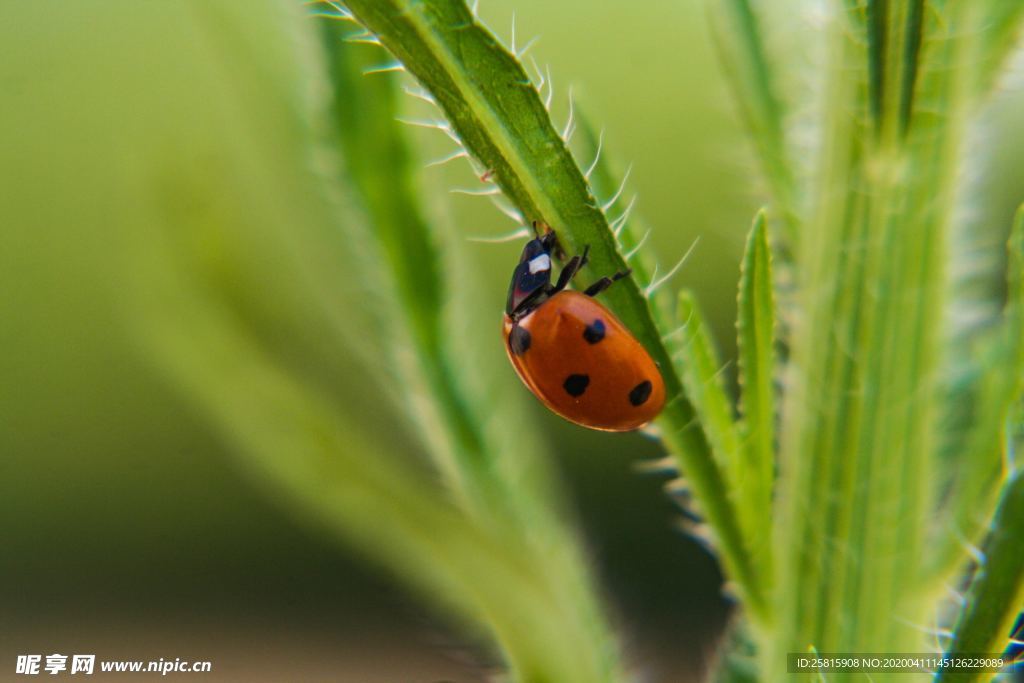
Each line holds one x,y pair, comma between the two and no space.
571,352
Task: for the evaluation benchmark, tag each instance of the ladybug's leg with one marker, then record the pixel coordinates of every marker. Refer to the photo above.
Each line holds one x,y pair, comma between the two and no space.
570,270
531,302
605,282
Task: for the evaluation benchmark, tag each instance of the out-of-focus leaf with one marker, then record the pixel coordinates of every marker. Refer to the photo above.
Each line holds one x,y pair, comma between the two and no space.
496,469
754,79
979,462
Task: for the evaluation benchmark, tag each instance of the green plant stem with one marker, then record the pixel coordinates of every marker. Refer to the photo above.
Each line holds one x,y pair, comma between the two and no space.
492,105
857,433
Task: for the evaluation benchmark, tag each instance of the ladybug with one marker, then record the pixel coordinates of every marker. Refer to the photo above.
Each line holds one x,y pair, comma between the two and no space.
571,351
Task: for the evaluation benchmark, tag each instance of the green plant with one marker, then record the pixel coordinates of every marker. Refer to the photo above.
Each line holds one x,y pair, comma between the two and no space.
866,231
840,506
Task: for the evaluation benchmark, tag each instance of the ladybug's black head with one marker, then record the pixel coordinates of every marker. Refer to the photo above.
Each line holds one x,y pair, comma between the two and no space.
532,277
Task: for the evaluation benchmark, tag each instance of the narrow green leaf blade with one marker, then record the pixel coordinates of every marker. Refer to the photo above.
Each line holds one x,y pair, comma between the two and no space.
702,377
913,28
732,517
756,342
996,594
876,26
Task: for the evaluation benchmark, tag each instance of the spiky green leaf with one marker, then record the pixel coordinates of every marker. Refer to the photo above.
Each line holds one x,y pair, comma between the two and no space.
756,343
996,594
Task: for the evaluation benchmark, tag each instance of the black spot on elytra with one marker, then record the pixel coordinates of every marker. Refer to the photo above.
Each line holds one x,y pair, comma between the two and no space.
640,393
575,385
594,332
519,340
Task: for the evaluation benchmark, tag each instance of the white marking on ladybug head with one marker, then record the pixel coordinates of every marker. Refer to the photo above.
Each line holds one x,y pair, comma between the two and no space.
540,264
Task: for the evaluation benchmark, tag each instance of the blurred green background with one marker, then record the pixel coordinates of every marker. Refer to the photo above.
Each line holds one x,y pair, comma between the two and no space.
127,529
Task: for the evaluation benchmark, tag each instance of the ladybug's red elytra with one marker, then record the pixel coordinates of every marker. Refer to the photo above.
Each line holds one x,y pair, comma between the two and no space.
571,351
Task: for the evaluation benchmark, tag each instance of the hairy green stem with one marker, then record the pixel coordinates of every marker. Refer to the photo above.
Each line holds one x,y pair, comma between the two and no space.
495,110
858,420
